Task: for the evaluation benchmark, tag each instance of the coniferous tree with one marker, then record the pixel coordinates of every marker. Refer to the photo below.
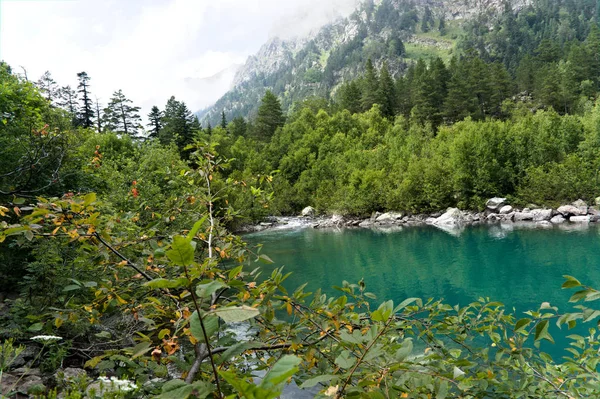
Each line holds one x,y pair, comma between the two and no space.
120,116
349,97
49,87
238,126
387,92
270,116
178,124
223,120
442,26
427,21
370,89
86,112
155,117
67,100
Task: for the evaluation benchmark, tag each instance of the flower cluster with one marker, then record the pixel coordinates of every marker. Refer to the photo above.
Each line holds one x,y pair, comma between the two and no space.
117,384
46,338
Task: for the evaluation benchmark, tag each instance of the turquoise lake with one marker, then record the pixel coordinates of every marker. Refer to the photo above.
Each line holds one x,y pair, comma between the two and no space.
518,266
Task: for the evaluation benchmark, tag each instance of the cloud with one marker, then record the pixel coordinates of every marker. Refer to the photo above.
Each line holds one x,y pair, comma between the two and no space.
151,49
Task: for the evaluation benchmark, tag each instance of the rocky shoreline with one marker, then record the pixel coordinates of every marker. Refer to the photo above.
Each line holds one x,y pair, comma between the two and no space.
498,210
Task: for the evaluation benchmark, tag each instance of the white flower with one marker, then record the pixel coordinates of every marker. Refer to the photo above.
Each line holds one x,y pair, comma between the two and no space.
116,384
46,338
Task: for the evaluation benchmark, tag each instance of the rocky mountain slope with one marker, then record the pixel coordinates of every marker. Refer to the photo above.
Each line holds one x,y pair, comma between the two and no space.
390,30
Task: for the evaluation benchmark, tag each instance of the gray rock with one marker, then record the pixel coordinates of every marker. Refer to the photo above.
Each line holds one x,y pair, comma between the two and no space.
389,217
582,205
309,211
495,203
492,217
558,219
570,210
523,216
580,219
594,218
452,218
366,223
540,215
506,209
69,374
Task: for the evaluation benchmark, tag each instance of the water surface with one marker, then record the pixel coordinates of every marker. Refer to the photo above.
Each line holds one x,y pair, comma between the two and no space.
518,266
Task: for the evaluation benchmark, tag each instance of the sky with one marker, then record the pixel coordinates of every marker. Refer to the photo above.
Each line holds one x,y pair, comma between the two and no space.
151,49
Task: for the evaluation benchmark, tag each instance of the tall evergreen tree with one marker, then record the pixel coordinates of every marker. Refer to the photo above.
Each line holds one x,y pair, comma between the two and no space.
387,92
67,100
442,26
349,97
86,111
155,117
223,120
427,21
49,87
178,124
121,117
270,116
370,89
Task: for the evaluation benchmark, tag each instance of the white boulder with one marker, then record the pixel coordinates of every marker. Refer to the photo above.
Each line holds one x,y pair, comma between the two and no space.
506,209
495,203
309,211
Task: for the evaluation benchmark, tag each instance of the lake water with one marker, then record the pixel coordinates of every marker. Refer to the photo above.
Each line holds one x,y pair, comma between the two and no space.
518,266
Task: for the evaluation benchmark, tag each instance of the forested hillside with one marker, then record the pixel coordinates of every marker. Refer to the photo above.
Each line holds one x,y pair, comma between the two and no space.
120,276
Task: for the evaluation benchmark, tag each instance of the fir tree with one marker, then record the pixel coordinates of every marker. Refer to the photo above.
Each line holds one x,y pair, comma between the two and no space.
98,116
442,26
86,112
178,124
370,89
387,92
120,116
155,117
349,97
48,87
427,21
270,116
223,120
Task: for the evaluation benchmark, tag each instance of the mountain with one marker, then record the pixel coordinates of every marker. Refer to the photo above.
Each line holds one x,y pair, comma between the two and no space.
317,63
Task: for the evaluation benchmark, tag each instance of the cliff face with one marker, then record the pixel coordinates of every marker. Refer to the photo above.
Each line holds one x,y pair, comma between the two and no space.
316,63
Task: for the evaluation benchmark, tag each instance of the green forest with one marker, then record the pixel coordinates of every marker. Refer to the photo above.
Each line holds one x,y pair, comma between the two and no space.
118,252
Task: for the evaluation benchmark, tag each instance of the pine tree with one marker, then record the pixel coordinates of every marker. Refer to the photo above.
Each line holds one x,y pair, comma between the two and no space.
86,112
49,87
155,117
223,120
370,89
178,124
121,117
238,126
442,26
270,116
427,21
67,100
387,92
349,97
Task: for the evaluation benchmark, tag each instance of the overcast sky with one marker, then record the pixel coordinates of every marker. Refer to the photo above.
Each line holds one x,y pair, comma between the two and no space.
151,49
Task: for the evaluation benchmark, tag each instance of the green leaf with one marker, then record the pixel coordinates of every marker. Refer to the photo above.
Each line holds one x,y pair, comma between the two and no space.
211,323
18,201
405,303
178,389
541,331
236,314
405,350
345,360
196,228
103,334
89,199
522,324
238,349
442,391
206,290
160,283
265,259
36,327
72,287
384,311
571,282
317,380
181,252
141,349
286,367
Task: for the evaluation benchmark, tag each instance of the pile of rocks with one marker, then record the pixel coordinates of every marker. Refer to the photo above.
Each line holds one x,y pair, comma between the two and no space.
577,212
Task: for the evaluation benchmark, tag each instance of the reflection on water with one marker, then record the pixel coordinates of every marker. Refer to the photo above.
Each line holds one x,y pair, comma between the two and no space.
518,265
